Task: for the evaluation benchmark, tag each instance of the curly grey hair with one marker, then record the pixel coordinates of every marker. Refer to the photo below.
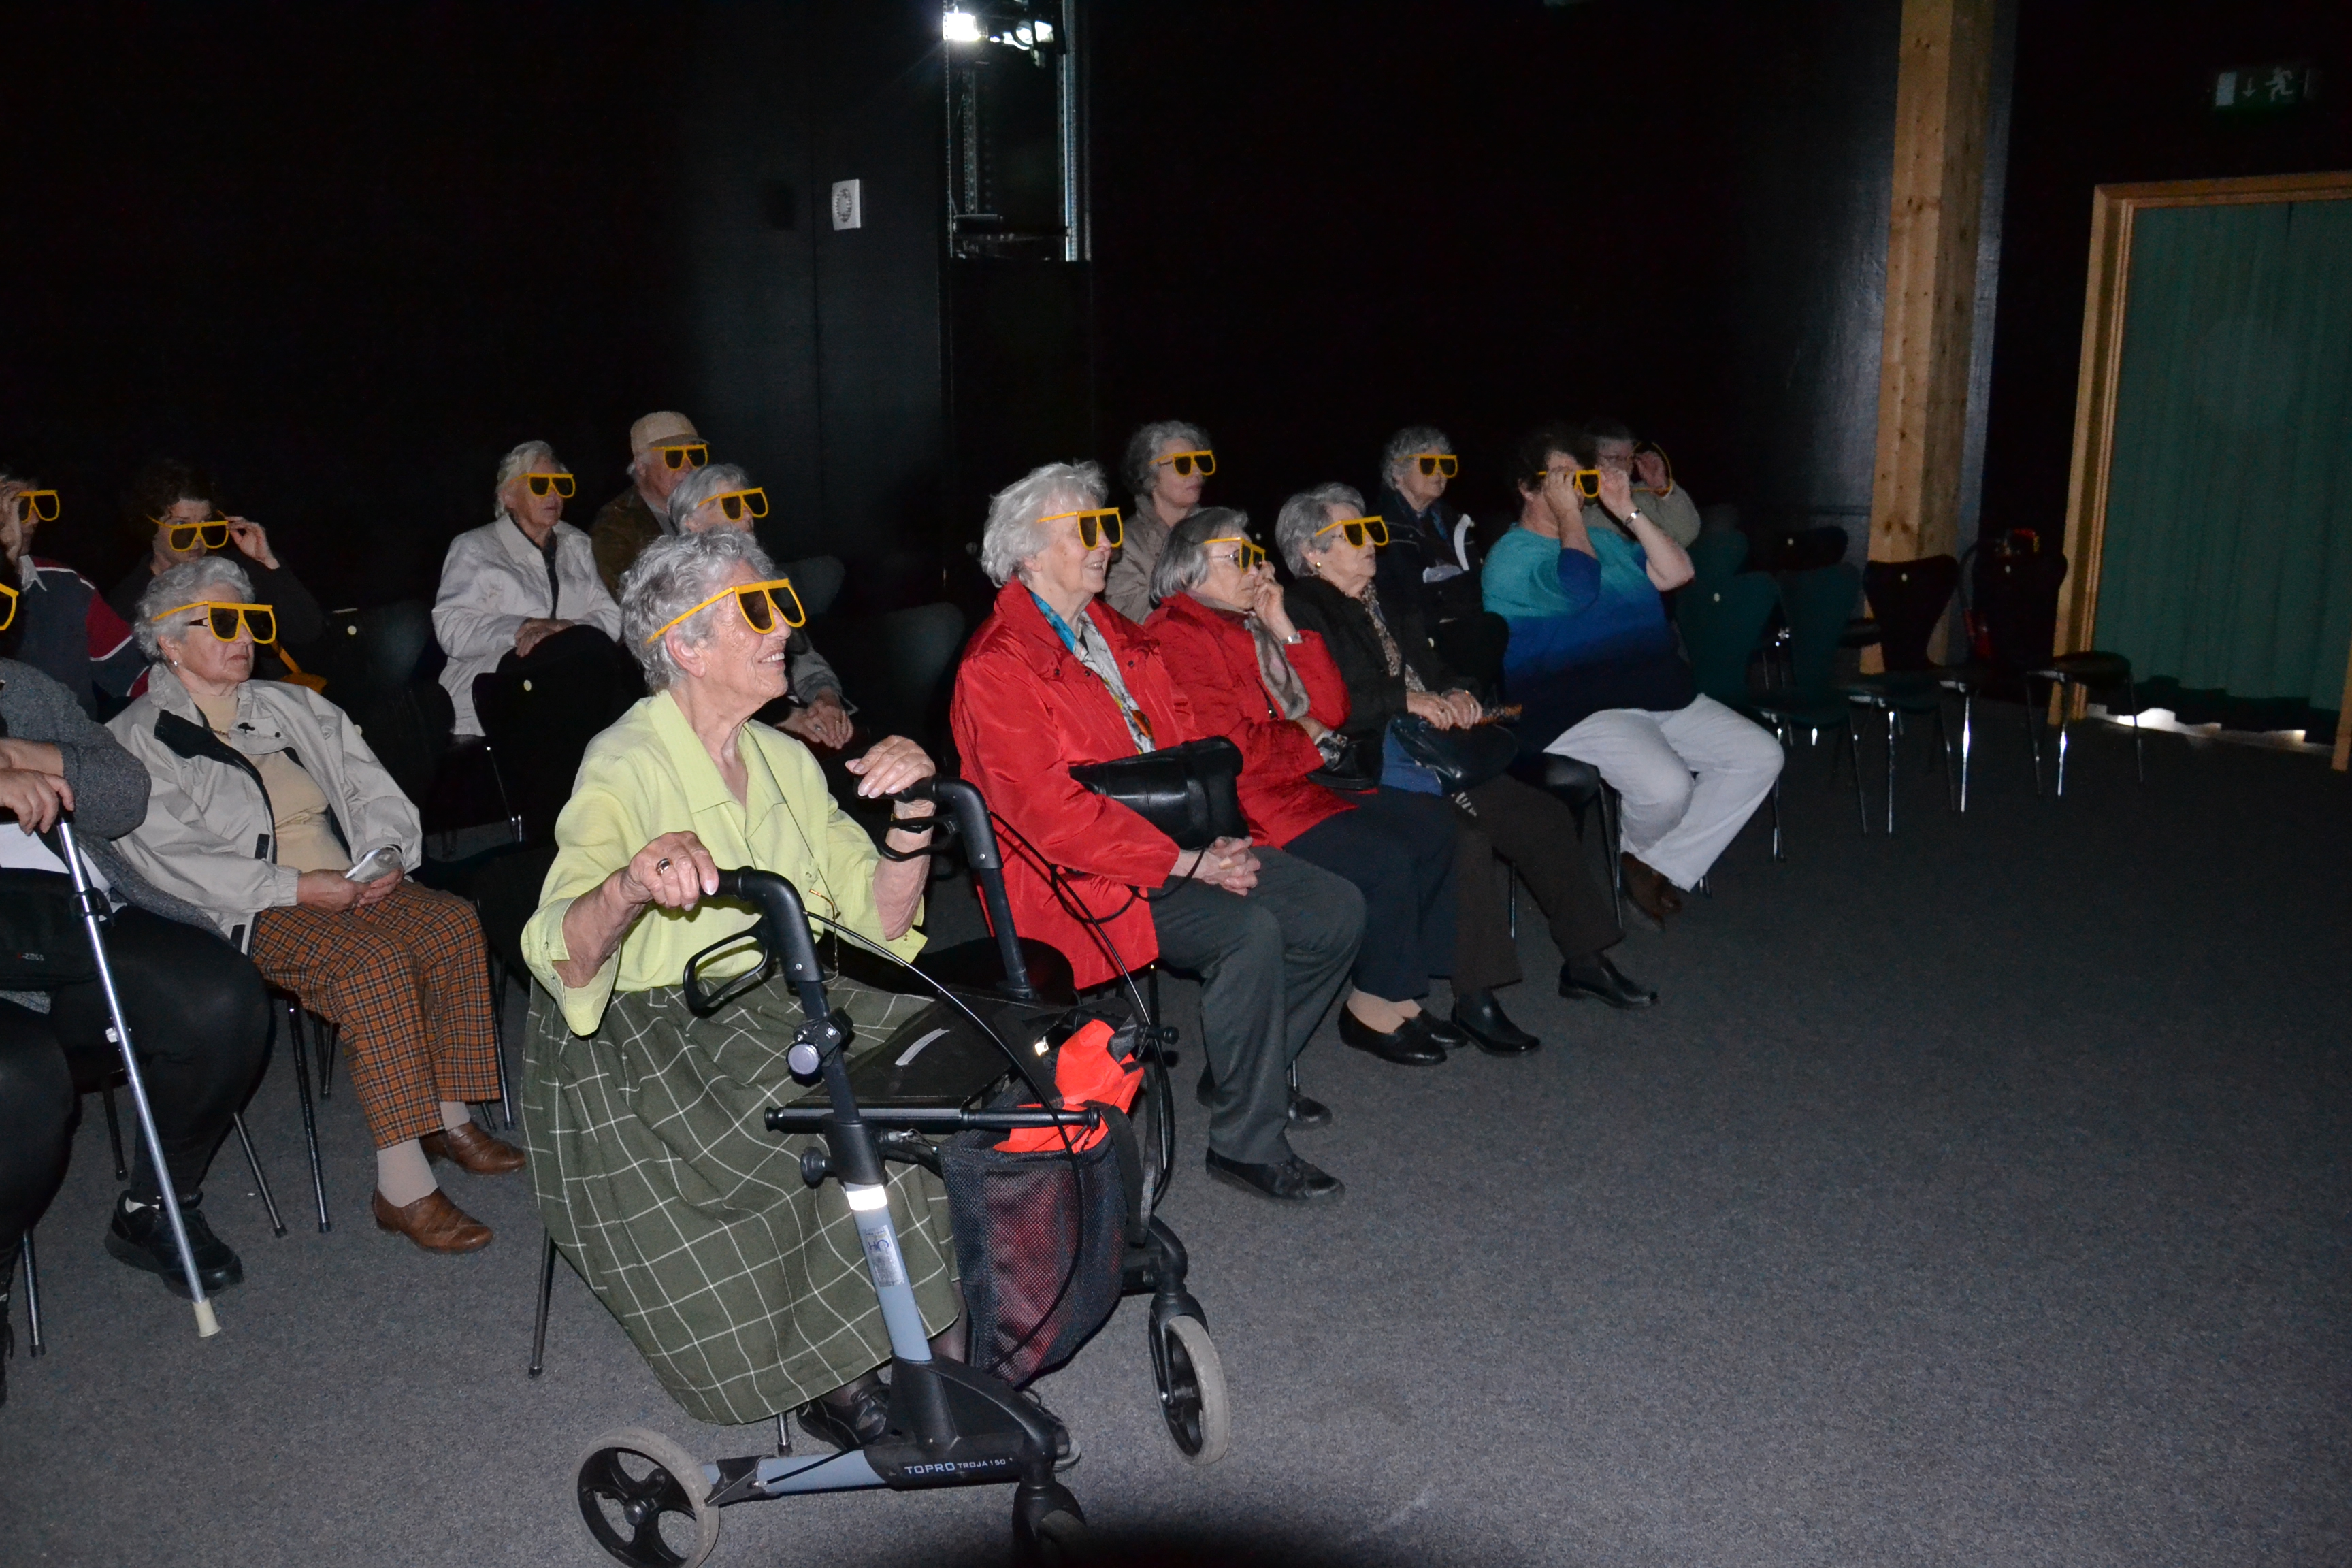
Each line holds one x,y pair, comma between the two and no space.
1407,443
1014,533
1145,444
711,480
674,574
1184,561
185,584
521,460
1306,513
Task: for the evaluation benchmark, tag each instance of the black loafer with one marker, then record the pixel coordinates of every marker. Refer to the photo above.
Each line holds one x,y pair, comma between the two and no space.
1308,1112
865,1419
1409,1046
1600,981
1482,1018
1446,1035
141,1236
1294,1181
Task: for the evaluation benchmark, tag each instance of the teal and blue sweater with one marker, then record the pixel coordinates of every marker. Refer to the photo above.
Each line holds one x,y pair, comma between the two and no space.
1588,633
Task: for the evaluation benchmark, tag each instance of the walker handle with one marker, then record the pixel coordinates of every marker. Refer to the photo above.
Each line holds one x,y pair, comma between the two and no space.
970,810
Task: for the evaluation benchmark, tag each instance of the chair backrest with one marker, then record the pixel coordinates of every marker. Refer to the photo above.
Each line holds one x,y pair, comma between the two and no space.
371,653
1818,604
895,666
538,718
1798,549
1714,556
2015,598
1907,598
1722,625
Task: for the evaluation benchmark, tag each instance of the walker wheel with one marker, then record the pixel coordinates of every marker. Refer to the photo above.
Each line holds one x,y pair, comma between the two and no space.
1193,1389
1061,1541
646,1501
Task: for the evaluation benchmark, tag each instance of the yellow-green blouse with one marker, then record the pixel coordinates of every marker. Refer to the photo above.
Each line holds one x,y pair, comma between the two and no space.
648,775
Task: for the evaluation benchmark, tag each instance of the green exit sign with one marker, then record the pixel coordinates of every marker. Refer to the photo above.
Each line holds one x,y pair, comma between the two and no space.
2263,90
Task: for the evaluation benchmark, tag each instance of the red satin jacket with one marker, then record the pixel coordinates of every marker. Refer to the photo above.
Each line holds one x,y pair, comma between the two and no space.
1218,659
1024,711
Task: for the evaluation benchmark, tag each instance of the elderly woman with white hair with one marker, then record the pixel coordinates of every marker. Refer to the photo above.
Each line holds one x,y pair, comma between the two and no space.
1430,560
1054,679
270,814
1166,464
723,496
523,583
743,1286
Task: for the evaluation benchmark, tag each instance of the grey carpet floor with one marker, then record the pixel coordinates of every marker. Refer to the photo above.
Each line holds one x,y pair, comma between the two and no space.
1976,1195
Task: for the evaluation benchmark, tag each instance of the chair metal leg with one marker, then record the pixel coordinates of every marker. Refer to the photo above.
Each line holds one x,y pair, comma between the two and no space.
261,1181
310,1115
1944,744
326,1039
2033,736
498,1040
37,1345
539,1330
1511,897
1611,816
1890,771
1851,743
114,1132
499,777
1777,853
2065,723
2139,757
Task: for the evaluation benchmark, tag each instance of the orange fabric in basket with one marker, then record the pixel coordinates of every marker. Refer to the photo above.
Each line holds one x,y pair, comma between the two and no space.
1085,1073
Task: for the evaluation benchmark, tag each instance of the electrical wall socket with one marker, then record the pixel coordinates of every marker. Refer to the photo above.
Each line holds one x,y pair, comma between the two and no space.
848,208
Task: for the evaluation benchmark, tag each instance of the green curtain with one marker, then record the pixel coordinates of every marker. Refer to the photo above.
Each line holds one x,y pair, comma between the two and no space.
2228,563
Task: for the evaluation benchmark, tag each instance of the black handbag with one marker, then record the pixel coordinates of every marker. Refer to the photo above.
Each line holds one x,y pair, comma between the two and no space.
1462,759
1187,792
42,943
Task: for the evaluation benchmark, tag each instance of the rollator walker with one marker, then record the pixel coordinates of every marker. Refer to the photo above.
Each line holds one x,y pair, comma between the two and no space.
648,1502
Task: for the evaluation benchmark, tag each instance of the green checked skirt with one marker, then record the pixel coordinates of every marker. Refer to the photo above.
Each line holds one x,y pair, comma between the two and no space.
744,1288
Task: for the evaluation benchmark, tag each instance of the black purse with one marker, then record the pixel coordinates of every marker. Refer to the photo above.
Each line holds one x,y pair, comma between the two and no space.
42,943
1187,792
1462,759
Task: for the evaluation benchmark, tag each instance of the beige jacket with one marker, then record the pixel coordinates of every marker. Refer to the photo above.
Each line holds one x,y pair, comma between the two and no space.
1128,586
210,834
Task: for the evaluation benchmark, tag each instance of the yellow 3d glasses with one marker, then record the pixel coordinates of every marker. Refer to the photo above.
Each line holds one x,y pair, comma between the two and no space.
542,483
1247,557
685,455
42,504
1437,463
1358,529
734,504
183,536
1100,525
222,616
7,606
1586,481
762,604
1185,462
1665,462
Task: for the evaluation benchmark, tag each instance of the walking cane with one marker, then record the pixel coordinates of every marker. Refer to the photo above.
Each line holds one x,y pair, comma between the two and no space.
91,905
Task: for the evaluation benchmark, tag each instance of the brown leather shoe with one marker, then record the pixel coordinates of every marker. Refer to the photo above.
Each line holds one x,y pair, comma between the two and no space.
1652,893
471,1149
434,1223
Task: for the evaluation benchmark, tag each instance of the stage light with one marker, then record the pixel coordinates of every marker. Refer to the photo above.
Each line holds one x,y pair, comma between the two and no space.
959,28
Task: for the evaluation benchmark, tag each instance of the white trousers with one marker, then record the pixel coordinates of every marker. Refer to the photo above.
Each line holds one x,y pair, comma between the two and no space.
1675,823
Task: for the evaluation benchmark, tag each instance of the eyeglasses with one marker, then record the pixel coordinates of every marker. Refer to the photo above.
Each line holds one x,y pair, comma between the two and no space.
1247,557
1664,460
1101,524
541,483
1359,529
1586,481
223,617
694,453
213,531
1438,463
735,503
42,504
762,604
7,606
1185,462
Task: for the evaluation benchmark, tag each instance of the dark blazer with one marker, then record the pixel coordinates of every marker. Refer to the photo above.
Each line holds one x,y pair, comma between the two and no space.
1374,696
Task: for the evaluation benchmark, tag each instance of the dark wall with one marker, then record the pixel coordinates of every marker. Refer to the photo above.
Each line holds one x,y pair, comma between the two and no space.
2111,91
348,256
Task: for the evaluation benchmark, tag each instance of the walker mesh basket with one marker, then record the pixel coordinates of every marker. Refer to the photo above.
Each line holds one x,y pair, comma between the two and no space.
1041,1244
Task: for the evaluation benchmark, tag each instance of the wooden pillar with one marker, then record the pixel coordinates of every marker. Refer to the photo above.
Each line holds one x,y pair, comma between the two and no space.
1942,102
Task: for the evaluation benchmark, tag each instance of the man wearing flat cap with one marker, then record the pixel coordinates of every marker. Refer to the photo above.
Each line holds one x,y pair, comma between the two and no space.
663,449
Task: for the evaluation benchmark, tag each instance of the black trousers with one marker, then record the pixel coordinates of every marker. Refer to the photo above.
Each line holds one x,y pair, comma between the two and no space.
1535,832
200,1016
1398,849
1270,961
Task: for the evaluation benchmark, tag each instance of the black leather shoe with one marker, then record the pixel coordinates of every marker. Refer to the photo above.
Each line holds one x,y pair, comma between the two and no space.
1445,1036
866,1418
141,1236
1482,1018
1308,1112
1598,980
1409,1046
1294,1181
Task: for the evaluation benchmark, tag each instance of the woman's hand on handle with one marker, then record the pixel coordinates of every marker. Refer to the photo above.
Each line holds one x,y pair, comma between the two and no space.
894,763
674,871
38,799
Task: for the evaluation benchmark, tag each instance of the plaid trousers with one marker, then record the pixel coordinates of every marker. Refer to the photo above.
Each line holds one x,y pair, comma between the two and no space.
407,983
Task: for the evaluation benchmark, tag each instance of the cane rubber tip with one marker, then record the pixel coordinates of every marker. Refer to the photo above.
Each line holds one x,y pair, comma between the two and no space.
206,1324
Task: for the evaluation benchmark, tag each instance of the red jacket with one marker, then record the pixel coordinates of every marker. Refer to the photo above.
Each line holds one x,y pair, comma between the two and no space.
1025,709
1218,658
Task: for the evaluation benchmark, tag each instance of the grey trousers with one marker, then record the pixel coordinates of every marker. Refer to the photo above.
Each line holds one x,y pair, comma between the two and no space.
1269,963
